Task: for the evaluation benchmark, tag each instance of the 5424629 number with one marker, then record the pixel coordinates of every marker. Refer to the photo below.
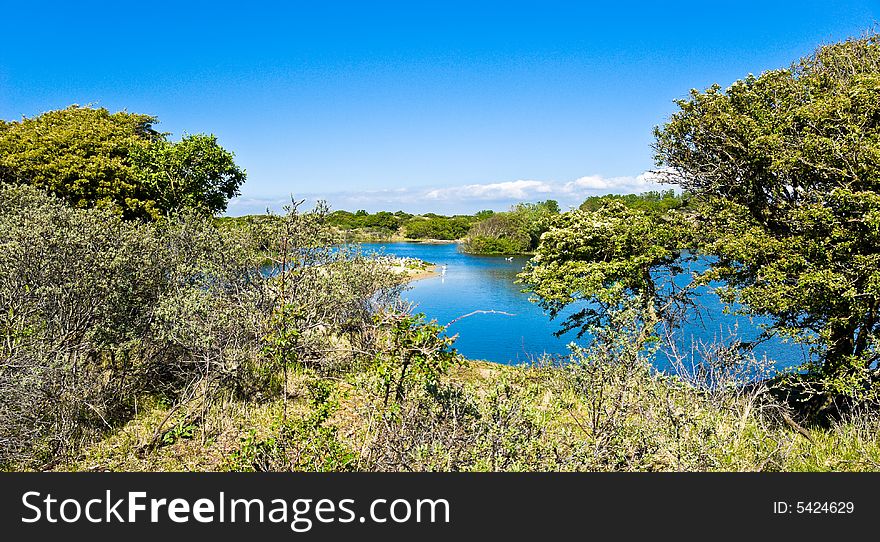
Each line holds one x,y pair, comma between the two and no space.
813,507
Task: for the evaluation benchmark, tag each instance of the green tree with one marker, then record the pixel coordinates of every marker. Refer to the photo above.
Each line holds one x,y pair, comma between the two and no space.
80,154
90,157
484,214
611,258
500,233
517,231
551,206
651,201
782,172
787,167
195,173
437,227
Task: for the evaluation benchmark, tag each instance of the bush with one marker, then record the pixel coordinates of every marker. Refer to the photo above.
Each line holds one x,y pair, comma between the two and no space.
501,233
96,311
437,227
76,295
515,232
307,443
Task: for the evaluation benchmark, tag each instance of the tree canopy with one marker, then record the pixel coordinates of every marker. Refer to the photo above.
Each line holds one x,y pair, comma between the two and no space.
783,170
90,157
788,167
513,232
652,201
609,256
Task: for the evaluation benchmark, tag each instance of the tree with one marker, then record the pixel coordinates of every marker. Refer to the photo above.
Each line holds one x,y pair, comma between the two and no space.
80,154
552,206
614,258
195,173
651,201
437,227
514,232
484,214
500,233
90,157
782,173
786,167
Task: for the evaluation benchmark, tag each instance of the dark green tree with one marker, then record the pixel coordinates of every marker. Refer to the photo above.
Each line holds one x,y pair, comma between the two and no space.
783,173
787,167
195,173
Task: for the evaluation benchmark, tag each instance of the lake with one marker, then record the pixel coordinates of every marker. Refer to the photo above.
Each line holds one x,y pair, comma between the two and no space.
486,283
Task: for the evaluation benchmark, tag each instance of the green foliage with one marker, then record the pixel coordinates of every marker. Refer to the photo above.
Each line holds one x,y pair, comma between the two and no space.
195,174
82,155
302,444
786,168
605,408
517,231
91,158
383,220
651,202
438,227
607,257
386,224
413,351
484,214
74,294
500,233
486,244
317,290
97,311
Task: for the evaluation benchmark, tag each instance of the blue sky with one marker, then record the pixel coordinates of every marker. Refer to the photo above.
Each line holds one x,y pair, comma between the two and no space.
446,106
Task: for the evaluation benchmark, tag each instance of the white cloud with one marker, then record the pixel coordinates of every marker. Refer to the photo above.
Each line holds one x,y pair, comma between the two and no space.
590,182
511,190
596,184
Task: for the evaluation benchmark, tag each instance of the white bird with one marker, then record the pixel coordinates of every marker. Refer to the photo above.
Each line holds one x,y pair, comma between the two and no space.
510,259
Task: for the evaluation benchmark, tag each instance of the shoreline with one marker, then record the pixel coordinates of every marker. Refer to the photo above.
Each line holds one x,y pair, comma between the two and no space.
423,274
408,275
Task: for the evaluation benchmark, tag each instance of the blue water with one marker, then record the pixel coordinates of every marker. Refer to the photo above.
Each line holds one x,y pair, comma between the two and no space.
486,283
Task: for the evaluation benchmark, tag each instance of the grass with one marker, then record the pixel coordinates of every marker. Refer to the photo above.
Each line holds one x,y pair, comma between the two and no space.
539,418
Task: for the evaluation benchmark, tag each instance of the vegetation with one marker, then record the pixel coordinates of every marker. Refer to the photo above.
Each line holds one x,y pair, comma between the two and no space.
517,231
789,191
783,171
168,350
383,222
652,201
604,409
187,342
437,227
93,158
383,225
615,257
99,314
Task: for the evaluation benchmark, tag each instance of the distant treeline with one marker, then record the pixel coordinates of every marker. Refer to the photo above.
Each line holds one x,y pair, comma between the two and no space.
516,231
401,224
653,201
